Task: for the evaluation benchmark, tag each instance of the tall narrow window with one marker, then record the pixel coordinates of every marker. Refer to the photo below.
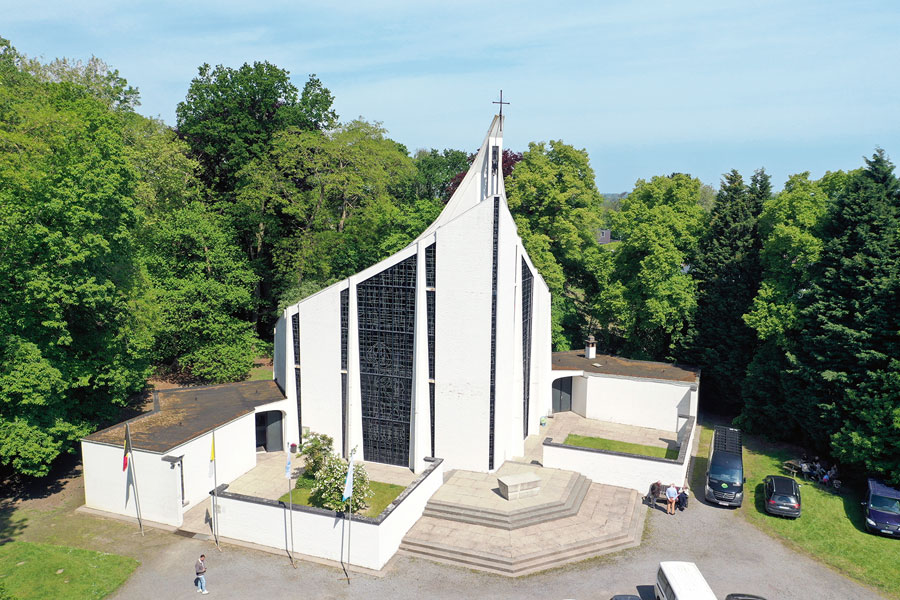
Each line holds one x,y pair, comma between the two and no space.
295,330
430,278
345,330
527,289
493,335
386,306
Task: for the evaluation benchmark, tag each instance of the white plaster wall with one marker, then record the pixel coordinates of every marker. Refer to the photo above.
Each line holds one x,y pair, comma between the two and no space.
400,521
279,359
640,402
314,534
321,535
579,395
108,488
508,440
235,455
541,348
463,339
320,369
622,471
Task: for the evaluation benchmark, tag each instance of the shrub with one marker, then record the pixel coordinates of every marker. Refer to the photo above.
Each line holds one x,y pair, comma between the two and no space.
328,490
315,449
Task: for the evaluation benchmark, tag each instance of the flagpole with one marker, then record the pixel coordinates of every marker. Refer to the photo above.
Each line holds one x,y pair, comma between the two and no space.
287,472
215,519
137,499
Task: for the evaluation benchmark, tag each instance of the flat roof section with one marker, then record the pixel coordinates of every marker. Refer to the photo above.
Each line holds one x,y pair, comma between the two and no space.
605,364
182,414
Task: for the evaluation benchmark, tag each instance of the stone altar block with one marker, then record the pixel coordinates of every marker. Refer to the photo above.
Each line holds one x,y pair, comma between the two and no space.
519,485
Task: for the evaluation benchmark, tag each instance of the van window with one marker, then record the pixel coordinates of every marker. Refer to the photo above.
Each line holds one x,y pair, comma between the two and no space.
884,504
664,585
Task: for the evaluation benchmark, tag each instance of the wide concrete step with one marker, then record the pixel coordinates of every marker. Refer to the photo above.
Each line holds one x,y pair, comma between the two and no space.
546,550
568,506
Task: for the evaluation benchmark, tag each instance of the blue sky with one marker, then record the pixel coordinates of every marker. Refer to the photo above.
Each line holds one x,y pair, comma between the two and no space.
647,88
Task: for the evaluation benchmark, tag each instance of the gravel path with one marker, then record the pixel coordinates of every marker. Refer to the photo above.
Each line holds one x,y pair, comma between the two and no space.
733,556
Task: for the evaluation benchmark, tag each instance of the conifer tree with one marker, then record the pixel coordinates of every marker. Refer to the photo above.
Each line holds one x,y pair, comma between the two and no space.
848,355
728,270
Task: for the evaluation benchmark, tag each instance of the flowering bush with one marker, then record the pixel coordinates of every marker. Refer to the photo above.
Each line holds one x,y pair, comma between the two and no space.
315,449
328,490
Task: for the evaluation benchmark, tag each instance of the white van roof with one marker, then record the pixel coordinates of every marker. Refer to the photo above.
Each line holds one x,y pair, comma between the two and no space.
686,580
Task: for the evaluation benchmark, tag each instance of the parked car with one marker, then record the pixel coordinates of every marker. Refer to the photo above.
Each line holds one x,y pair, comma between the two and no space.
882,509
782,496
725,473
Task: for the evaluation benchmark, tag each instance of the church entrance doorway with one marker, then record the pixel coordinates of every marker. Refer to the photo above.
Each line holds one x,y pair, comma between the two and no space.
562,394
268,431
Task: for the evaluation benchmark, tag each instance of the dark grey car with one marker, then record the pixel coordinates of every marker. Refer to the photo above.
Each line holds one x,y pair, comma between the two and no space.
782,496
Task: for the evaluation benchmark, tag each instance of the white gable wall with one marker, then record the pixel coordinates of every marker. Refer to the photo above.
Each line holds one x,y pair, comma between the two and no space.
320,355
463,339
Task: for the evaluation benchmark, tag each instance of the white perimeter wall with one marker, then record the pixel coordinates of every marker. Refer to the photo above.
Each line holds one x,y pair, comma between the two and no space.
632,401
321,534
463,339
613,469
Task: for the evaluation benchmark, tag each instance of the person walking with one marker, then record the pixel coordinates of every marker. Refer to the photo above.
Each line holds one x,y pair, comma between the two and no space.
200,570
671,497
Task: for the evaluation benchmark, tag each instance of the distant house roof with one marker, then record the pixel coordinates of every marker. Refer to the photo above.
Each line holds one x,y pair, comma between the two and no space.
182,414
604,364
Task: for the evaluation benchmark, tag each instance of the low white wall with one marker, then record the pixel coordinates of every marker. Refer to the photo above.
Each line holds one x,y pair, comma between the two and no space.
619,469
108,488
630,401
320,532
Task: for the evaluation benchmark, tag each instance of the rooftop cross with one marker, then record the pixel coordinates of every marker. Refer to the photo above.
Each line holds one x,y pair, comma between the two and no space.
501,103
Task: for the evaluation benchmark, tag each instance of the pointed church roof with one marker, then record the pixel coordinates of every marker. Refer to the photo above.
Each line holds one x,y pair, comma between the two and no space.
484,179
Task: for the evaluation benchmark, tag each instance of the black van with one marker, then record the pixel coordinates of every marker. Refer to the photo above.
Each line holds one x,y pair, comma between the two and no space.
725,473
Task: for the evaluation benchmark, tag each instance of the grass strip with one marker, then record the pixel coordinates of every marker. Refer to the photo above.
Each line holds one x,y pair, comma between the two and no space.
616,446
40,571
385,493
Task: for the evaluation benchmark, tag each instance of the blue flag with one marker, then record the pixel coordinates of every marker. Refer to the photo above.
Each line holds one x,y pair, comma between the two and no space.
348,485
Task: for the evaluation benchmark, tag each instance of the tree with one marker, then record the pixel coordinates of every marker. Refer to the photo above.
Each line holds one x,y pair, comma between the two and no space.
229,117
202,285
791,230
435,171
727,269
556,207
648,306
849,342
73,343
101,81
328,204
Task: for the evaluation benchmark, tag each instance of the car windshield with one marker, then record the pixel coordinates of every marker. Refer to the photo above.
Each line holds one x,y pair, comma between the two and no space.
784,499
732,476
885,504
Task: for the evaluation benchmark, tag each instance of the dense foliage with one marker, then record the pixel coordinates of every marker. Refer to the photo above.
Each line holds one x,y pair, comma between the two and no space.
128,246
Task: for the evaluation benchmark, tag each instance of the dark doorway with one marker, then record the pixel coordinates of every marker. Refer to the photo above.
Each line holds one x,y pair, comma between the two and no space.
268,431
562,394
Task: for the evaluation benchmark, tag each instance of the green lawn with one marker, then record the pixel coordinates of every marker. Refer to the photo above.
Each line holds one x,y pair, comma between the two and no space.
43,571
604,444
385,493
261,373
831,528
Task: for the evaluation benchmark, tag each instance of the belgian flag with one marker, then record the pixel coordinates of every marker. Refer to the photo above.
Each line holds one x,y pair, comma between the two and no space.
127,447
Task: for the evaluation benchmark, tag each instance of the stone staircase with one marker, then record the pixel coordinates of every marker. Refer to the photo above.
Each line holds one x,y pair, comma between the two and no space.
587,520
567,506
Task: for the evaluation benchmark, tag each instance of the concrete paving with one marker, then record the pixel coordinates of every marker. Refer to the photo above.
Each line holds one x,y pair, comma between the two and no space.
561,424
481,491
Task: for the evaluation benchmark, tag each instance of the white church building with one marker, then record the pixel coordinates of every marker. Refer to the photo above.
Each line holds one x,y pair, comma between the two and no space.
442,349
